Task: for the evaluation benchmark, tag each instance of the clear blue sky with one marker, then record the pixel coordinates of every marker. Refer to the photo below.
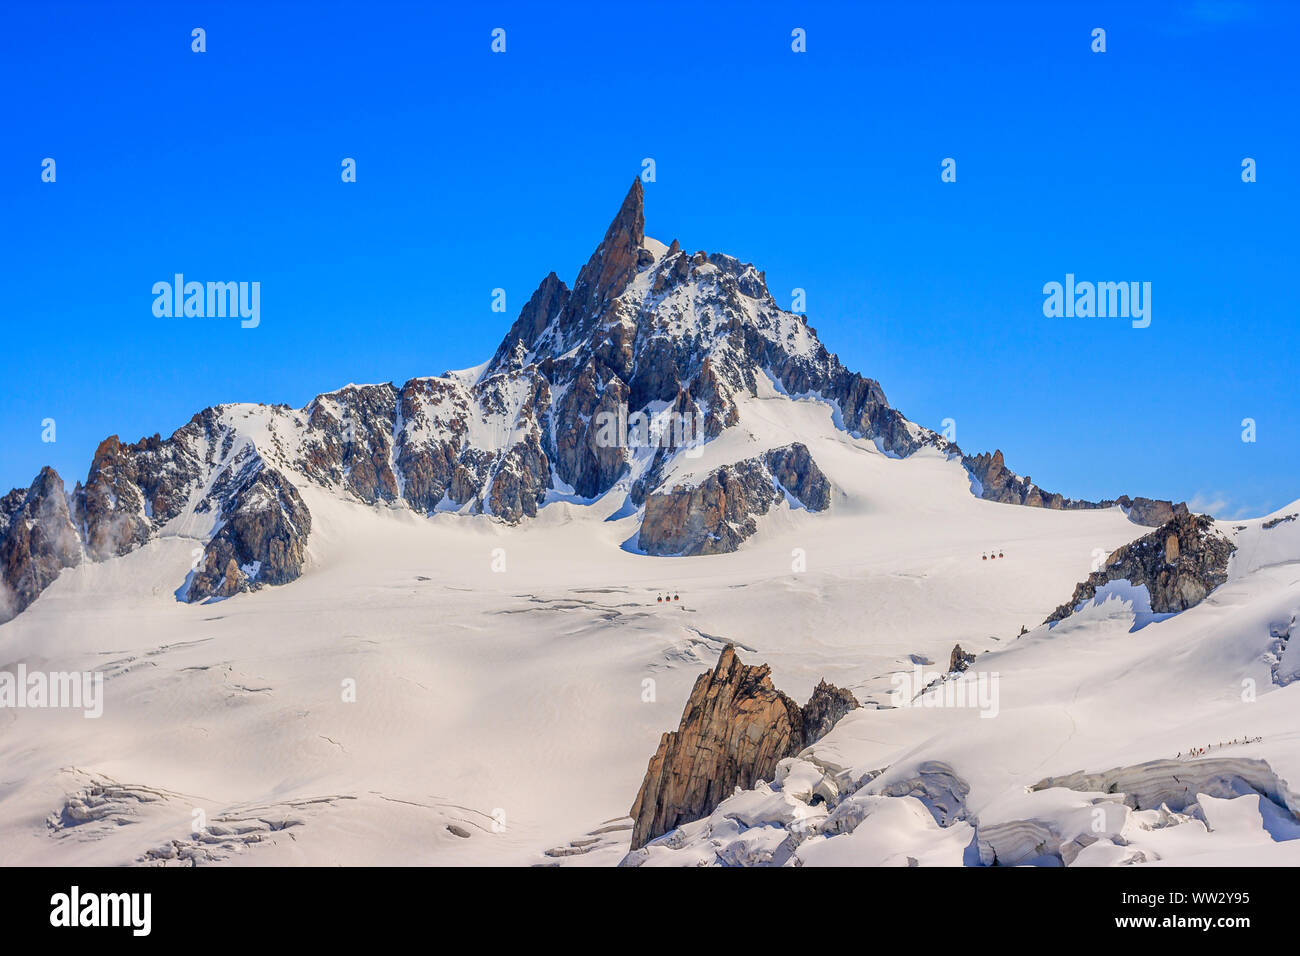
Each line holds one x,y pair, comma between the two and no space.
479,170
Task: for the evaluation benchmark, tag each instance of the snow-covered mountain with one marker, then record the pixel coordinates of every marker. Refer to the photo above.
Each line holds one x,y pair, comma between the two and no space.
613,387
427,622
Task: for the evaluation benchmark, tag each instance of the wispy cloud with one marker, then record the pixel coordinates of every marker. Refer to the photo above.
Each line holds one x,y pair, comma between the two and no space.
1219,505
1209,504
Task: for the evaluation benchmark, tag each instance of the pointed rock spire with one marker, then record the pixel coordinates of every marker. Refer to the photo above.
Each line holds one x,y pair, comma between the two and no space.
37,541
613,264
629,224
734,731
605,276
534,319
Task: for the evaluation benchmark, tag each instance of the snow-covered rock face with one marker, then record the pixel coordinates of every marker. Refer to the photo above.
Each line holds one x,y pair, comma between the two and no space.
435,444
1178,564
37,541
651,326
229,479
717,514
601,389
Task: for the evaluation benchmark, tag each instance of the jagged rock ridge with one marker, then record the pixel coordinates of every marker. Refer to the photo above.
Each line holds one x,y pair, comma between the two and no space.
645,328
1178,563
999,483
37,541
734,730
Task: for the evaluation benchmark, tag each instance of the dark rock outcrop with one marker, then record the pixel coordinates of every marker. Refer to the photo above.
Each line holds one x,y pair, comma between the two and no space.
611,267
1150,512
734,730
705,333
535,318
793,469
1179,564
204,474
960,660
382,444
520,481
349,441
824,709
133,490
581,459
999,483
263,538
716,515
37,541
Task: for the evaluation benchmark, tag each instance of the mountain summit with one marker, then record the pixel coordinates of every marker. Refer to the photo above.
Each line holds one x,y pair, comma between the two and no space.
575,404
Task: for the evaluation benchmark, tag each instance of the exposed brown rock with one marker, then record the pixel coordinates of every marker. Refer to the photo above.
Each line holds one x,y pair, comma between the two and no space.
824,709
349,441
131,490
610,268
37,541
580,458
381,443
716,515
999,483
1179,563
520,483
960,660
263,539
543,308
707,334
734,730
1150,512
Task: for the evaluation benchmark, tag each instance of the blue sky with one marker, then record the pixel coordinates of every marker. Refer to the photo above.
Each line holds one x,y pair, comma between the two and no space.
478,170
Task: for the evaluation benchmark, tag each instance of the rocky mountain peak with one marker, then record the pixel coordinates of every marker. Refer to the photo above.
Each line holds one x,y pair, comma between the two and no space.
611,267
536,317
37,541
556,318
647,330
735,729
627,230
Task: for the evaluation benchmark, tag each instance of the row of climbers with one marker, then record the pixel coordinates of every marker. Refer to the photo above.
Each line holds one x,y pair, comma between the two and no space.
1202,751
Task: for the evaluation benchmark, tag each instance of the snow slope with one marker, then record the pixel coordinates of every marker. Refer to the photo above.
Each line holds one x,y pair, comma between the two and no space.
1115,741
500,673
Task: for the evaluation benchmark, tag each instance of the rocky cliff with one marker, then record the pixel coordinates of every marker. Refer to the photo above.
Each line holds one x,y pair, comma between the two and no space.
262,537
825,707
996,482
720,512
37,541
734,730
1179,564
